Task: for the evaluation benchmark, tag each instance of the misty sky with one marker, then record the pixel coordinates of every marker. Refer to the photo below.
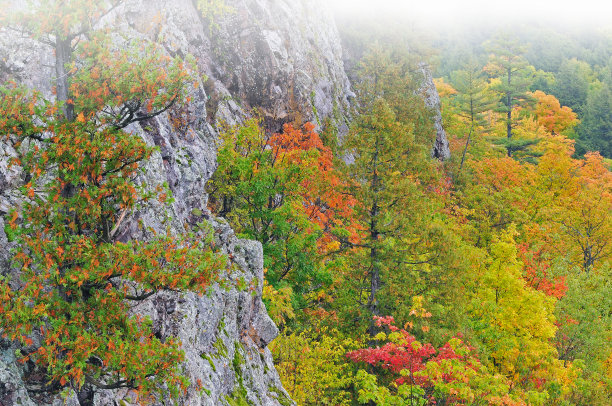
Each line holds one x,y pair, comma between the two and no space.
563,11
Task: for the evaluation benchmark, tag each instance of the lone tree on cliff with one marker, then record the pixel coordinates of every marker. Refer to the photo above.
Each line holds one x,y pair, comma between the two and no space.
67,306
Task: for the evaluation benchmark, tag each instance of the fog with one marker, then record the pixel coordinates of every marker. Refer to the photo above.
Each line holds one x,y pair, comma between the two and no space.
467,12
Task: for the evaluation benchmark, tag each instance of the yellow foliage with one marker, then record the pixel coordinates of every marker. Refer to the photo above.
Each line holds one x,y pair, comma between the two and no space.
444,89
212,8
515,322
313,367
278,303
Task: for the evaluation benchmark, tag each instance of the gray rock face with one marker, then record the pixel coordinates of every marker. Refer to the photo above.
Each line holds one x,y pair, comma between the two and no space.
278,56
12,390
224,334
441,149
282,57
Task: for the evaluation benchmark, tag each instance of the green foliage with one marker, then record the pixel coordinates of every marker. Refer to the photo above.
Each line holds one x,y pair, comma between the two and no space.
8,231
492,255
473,99
399,194
572,84
507,62
278,303
586,334
380,186
370,391
596,127
571,64
213,9
256,187
519,148
283,190
419,374
542,81
239,395
389,74
515,254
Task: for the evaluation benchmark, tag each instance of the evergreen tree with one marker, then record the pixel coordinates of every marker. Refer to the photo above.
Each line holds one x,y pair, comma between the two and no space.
473,98
507,62
382,187
572,84
596,127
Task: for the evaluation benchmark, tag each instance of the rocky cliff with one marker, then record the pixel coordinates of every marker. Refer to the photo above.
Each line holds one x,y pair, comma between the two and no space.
441,148
282,57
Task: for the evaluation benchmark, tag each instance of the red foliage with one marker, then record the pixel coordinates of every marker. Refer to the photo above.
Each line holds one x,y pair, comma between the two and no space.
408,355
536,273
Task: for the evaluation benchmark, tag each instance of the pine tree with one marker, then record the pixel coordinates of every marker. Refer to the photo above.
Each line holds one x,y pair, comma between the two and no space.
473,98
507,62
381,185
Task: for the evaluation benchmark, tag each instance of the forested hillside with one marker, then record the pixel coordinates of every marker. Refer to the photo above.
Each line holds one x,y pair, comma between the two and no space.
417,242
398,279
572,63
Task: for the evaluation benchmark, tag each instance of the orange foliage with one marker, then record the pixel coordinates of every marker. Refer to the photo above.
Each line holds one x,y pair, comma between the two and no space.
444,89
551,115
323,202
536,272
500,173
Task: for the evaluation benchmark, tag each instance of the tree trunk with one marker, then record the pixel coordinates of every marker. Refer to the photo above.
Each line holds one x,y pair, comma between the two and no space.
467,143
509,113
374,252
374,274
63,56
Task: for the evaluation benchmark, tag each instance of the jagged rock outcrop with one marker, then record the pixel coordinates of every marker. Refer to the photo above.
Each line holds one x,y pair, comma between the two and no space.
441,148
281,57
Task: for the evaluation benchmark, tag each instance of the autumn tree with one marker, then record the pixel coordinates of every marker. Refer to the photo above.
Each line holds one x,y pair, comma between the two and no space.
585,216
553,117
69,304
417,373
313,366
572,233
61,25
513,322
281,189
574,202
